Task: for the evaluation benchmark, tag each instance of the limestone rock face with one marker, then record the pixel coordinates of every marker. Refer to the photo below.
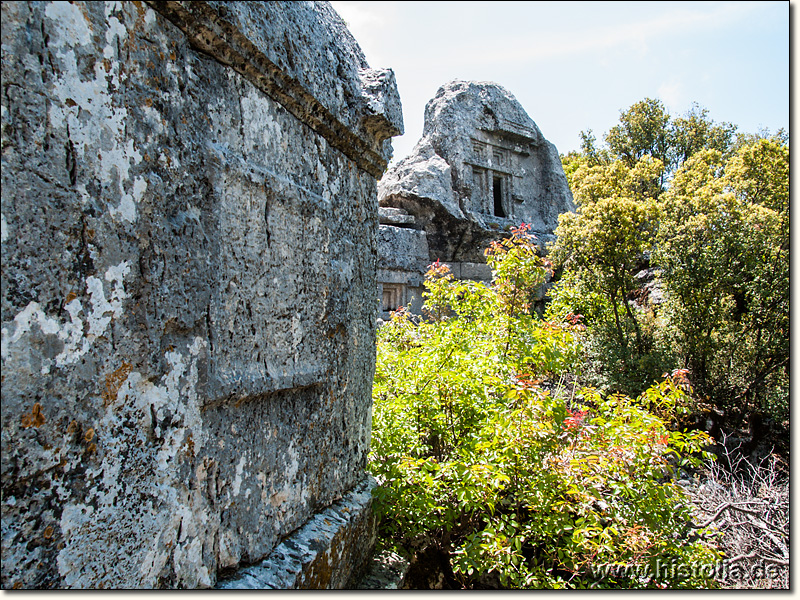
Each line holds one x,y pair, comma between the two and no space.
481,166
423,175
188,283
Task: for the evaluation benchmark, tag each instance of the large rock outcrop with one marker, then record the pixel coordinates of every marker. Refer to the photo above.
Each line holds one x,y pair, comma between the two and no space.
481,167
188,274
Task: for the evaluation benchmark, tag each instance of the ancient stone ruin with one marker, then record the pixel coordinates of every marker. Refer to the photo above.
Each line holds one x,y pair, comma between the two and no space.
188,280
481,167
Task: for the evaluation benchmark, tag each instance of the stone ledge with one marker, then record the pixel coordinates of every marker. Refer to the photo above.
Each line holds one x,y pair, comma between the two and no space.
330,551
388,215
220,37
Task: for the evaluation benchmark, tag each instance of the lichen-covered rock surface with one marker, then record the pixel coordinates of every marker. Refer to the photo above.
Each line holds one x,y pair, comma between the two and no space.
188,280
331,551
481,166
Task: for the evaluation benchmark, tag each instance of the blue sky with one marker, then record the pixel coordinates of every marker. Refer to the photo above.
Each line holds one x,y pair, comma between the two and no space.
574,65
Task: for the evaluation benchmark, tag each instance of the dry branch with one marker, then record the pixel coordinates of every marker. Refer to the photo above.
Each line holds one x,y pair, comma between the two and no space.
747,503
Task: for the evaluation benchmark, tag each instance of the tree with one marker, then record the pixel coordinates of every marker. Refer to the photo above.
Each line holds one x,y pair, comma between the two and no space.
695,132
642,131
723,248
647,129
602,245
759,173
713,219
591,182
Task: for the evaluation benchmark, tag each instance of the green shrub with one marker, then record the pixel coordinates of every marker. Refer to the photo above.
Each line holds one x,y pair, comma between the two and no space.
711,215
723,248
608,364
479,451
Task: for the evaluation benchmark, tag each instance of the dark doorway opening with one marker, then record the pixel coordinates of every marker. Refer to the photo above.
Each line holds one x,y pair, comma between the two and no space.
497,191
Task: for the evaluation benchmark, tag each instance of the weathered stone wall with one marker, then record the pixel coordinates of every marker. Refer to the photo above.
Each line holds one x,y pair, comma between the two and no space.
188,280
333,550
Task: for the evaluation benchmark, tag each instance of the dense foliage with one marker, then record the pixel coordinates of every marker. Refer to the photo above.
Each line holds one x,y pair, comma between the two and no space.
487,443
709,213
481,450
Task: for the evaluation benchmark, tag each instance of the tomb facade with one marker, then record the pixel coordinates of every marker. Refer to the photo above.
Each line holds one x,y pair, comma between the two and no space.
188,276
481,167
402,259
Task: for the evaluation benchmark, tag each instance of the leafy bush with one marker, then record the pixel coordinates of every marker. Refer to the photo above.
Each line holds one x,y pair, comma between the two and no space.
479,451
723,247
711,217
601,248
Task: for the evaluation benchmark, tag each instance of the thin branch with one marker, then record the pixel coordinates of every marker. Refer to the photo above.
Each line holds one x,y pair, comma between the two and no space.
769,533
741,557
766,524
716,516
